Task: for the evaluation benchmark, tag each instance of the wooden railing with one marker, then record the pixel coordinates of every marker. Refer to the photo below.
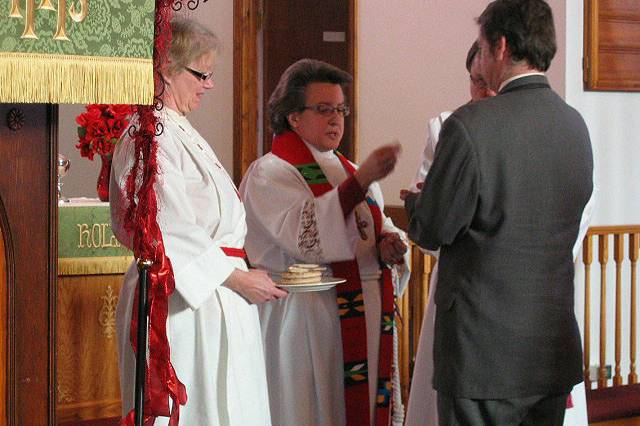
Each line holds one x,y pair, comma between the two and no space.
625,241
412,306
621,236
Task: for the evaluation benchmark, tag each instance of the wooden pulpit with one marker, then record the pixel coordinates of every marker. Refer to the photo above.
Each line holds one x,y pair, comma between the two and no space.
28,258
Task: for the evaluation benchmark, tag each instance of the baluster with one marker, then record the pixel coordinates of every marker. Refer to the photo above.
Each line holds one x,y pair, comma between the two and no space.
415,300
404,358
587,259
603,257
633,257
429,262
618,255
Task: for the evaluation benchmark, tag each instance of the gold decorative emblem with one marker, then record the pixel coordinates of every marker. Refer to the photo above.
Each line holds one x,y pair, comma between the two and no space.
61,27
107,316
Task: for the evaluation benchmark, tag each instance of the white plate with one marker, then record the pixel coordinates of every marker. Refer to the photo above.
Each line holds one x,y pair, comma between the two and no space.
325,284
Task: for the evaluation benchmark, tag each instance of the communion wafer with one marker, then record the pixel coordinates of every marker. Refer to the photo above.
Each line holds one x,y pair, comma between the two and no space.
301,269
299,280
294,275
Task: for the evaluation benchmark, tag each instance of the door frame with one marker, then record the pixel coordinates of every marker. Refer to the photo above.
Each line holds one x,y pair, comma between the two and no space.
247,21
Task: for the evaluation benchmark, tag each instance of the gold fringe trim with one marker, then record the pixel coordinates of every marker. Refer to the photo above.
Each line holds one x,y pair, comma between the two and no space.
94,265
60,79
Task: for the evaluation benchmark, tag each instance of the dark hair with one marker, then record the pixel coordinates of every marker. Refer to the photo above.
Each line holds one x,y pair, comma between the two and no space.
527,26
471,55
289,94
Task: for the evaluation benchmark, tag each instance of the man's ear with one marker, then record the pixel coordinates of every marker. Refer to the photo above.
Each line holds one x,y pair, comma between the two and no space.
294,119
164,72
500,50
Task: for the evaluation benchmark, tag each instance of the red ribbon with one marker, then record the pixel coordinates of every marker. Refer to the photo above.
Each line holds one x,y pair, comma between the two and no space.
140,221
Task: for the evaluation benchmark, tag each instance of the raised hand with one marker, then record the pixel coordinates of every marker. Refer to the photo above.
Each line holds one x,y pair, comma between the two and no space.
378,164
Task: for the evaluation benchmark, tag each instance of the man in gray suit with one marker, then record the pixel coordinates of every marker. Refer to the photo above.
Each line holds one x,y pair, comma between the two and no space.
503,202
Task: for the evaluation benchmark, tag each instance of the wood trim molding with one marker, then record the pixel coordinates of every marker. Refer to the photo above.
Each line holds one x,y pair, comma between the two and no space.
245,85
52,119
398,215
353,64
4,321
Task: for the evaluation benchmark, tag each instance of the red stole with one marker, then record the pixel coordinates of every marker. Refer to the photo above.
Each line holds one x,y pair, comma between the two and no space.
292,149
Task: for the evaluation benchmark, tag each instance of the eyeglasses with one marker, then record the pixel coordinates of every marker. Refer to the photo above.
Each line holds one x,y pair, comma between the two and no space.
328,110
199,75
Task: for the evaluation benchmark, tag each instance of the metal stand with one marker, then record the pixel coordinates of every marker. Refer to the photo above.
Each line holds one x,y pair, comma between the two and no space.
143,326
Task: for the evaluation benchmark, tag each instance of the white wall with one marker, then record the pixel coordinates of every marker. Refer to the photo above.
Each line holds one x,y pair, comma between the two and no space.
214,119
411,66
613,120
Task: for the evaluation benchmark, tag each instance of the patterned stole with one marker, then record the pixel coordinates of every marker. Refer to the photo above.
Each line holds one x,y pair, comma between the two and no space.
292,149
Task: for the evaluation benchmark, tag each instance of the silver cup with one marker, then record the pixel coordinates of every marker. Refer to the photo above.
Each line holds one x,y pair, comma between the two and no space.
63,168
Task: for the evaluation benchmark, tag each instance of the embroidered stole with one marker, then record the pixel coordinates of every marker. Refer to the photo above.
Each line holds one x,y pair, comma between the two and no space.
292,149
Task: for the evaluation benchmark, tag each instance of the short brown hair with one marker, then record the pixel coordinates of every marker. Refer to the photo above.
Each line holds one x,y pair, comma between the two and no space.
289,94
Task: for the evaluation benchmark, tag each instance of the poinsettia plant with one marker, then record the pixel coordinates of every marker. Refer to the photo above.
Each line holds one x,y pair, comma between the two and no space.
100,128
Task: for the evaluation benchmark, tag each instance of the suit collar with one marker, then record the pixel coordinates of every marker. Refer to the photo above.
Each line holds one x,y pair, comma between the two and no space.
527,82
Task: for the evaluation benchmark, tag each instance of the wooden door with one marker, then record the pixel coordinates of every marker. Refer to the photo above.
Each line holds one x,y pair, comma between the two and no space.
314,29
28,218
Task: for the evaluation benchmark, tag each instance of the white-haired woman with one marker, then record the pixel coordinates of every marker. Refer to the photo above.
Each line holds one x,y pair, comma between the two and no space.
212,326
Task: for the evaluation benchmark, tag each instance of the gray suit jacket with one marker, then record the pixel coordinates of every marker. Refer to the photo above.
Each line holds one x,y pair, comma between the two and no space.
503,202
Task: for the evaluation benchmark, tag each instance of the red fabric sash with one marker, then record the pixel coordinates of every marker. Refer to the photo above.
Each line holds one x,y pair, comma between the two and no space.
234,252
292,149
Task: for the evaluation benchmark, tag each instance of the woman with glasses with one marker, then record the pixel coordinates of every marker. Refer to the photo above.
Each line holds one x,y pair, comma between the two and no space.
212,326
329,353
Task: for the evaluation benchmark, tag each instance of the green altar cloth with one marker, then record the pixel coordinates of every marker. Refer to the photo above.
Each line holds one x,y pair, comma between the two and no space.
86,244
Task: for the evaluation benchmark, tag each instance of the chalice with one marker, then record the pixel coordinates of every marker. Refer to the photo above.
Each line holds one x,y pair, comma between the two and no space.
63,168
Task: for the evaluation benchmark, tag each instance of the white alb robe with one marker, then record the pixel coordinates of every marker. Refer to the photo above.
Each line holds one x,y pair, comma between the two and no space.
422,407
214,334
302,336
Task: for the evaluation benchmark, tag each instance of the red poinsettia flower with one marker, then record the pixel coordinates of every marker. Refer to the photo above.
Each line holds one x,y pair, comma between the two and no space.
100,128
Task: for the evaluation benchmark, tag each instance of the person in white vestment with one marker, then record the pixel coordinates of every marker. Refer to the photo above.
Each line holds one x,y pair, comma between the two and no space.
306,204
422,404
212,326
422,408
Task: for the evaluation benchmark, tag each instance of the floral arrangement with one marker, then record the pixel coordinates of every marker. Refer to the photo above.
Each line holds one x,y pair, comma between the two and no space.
101,127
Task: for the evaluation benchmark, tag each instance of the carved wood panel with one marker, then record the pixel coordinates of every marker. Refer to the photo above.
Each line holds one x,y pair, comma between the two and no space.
30,215
87,375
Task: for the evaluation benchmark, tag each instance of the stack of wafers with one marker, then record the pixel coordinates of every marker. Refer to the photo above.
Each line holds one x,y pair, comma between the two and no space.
302,273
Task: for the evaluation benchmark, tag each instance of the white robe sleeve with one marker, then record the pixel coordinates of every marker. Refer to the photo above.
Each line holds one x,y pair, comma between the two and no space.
310,229
585,221
401,273
433,131
198,262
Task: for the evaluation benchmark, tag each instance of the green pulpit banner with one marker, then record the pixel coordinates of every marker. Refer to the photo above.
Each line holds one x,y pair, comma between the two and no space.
86,244
77,51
